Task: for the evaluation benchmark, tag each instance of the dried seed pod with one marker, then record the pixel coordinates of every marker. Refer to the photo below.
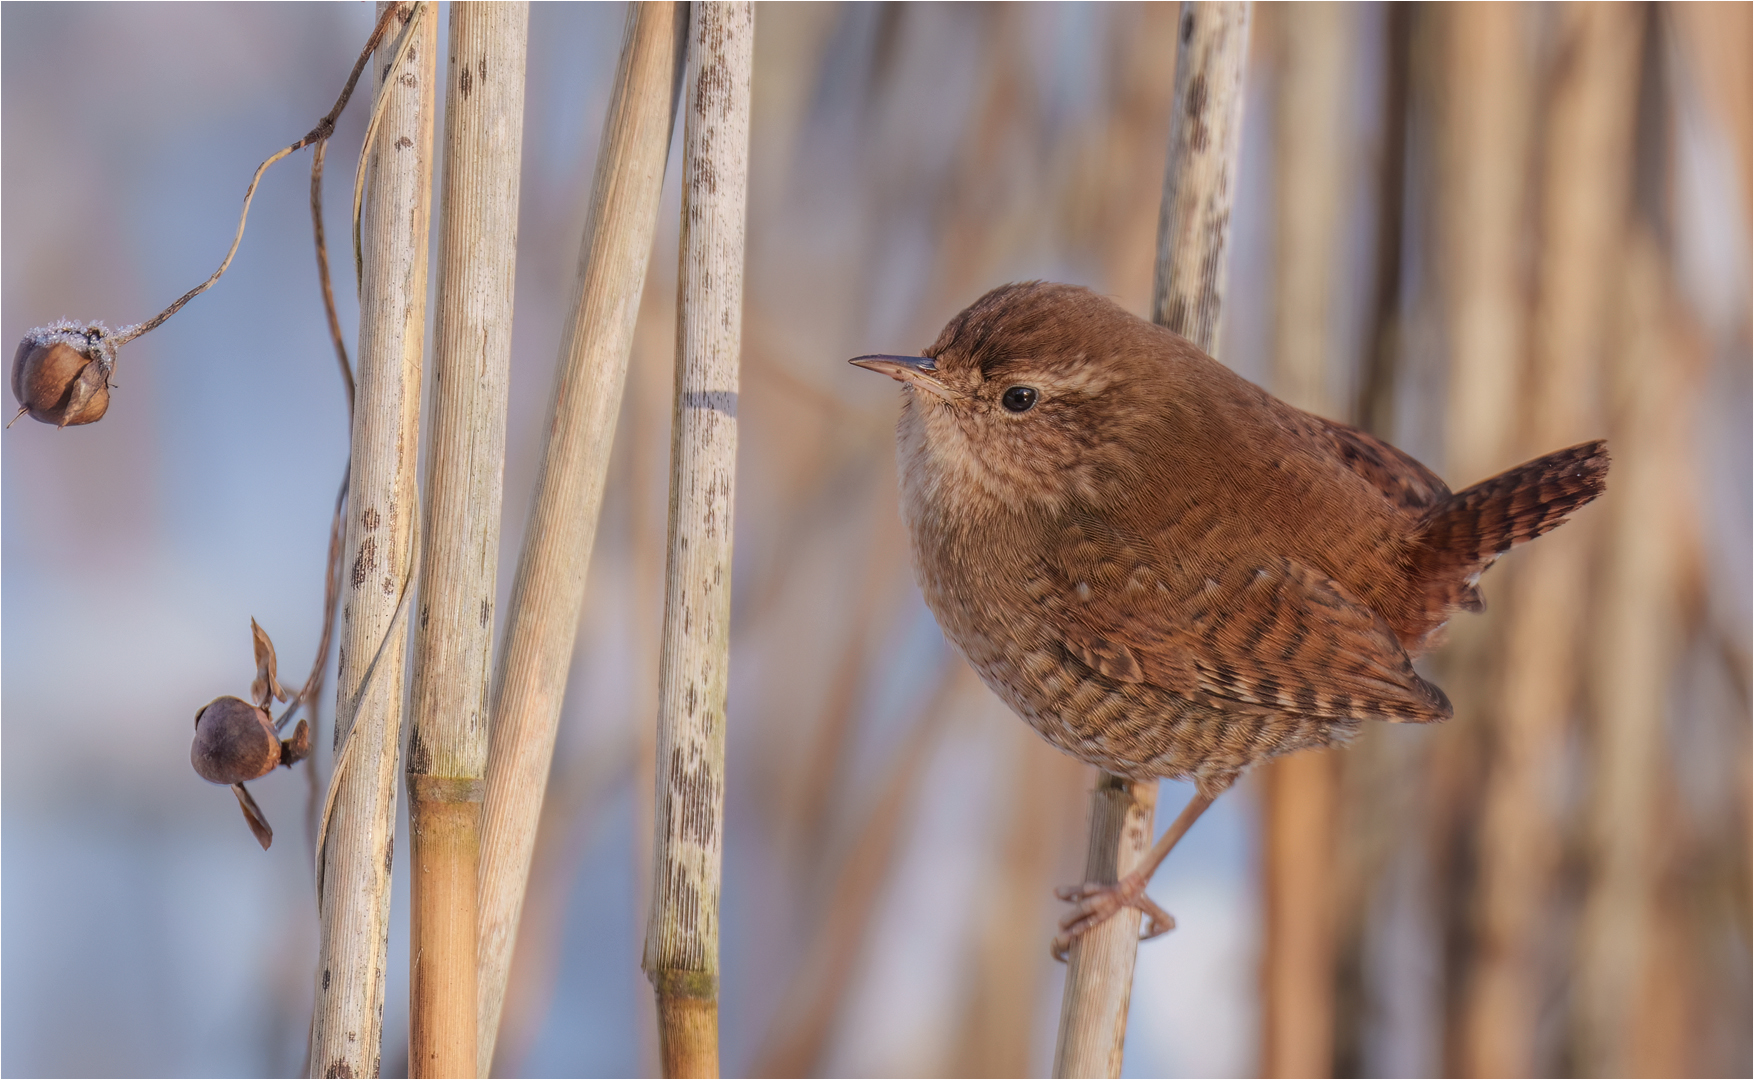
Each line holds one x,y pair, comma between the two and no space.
234,741
266,689
61,373
263,831
297,748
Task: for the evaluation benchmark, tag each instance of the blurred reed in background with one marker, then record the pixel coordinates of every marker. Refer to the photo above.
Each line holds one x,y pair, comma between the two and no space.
1481,231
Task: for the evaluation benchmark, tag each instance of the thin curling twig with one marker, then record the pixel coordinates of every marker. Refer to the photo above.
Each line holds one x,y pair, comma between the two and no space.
371,131
331,595
129,333
321,131
332,574
345,755
323,278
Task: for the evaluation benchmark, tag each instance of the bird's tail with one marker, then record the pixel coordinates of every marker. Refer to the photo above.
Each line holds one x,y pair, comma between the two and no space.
1462,535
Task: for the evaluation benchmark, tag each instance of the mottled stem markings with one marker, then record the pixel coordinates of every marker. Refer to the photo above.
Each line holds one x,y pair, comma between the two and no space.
682,931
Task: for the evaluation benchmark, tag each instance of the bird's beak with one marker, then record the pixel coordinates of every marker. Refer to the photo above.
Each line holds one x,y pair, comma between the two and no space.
920,371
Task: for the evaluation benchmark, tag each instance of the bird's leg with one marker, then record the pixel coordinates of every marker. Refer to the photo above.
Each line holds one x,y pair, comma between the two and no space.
1095,901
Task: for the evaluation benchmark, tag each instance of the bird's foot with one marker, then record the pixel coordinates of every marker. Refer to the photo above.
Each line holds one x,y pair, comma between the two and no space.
1093,902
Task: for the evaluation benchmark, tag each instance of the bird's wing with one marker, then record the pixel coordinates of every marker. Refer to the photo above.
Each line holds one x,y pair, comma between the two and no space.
1402,480
1265,632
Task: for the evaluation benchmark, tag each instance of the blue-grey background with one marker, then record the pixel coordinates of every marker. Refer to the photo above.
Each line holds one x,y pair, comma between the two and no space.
905,160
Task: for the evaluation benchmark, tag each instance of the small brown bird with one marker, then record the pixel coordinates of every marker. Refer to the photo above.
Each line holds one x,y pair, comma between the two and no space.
1166,570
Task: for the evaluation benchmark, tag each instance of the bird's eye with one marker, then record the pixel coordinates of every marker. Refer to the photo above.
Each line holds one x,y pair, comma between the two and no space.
1019,398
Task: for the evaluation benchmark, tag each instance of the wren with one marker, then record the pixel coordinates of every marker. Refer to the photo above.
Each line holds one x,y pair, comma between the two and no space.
1165,570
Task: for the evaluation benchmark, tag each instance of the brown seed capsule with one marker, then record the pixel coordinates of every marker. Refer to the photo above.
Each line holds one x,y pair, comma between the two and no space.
60,375
234,742
297,748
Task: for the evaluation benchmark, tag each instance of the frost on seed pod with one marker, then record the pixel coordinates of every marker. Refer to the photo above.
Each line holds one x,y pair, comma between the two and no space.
61,373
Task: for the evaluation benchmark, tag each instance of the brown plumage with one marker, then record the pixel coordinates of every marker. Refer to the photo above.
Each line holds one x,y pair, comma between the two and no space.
1167,571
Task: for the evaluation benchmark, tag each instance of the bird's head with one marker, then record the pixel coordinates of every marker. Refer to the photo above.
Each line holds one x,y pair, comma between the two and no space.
1035,395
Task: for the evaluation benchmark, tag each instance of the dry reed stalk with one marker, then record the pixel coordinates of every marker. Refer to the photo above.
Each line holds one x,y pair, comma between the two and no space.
819,982
359,829
647,462
1585,184
1484,111
577,795
465,470
1298,813
1636,636
1099,966
1124,214
682,931
1040,792
1713,40
548,592
1312,173
1205,138
1487,131
1192,232
1374,405
1378,788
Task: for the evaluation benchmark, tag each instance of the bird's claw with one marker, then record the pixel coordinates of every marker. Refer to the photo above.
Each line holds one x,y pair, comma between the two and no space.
1093,903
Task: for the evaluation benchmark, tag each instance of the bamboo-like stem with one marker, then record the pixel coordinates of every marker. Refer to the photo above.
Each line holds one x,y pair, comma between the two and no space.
1483,97
1636,640
1311,169
682,931
1486,123
465,468
354,856
1585,182
549,590
1205,137
1298,792
1204,141
1099,966
1298,797
1374,404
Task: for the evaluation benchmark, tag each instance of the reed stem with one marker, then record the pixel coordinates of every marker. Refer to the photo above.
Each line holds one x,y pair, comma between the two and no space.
549,590
465,467
1198,189
358,833
1584,171
1313,171
682,930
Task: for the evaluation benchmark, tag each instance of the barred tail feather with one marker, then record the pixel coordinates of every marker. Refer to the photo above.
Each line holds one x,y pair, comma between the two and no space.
1467,531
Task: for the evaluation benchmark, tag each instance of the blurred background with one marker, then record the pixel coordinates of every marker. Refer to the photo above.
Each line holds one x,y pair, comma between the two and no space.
1482,231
